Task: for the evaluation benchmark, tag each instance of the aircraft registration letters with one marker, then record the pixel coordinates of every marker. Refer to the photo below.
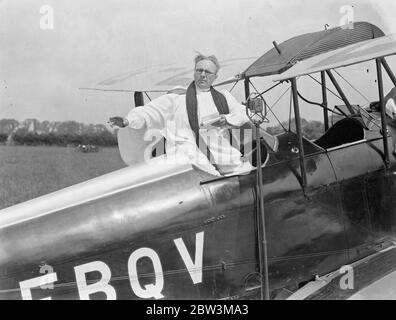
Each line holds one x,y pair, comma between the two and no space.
153,290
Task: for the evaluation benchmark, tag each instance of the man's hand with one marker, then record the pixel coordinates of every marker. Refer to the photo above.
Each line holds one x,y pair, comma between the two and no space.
223,122
218,122
118,121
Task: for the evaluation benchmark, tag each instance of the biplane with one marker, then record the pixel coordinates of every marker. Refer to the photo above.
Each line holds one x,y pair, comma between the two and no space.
288,229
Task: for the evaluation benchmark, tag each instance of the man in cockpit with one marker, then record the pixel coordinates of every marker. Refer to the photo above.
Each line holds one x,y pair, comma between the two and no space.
181,114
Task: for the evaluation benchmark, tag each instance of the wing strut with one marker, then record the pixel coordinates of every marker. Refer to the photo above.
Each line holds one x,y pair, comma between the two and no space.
261,221
324,101
341,93
389,71
260,217
383,115
299,132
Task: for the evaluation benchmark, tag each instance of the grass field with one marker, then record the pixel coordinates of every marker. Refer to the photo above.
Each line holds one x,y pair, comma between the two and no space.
29,172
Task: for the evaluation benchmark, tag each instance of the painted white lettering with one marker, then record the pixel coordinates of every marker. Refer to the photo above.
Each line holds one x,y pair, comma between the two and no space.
85,290
149,290
27,285
194,268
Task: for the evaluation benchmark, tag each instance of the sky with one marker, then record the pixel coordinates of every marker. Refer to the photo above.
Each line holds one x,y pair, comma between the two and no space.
43,64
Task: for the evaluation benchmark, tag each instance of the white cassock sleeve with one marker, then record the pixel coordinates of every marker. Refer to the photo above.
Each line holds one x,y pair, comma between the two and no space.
390,108
153,114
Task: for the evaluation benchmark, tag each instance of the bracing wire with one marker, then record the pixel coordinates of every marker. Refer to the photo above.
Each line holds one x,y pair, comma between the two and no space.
234,85
370,117
290,109
361,94
270,108
320,105
336,95
147,95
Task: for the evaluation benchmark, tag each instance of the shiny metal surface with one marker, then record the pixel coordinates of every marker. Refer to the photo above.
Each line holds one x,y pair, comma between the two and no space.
309,233
130,177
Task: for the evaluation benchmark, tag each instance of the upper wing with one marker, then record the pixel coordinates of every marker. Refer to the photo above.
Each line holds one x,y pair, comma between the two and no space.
158,78
162,78
349,55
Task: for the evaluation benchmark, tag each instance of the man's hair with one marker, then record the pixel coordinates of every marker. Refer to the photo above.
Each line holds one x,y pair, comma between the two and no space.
212,58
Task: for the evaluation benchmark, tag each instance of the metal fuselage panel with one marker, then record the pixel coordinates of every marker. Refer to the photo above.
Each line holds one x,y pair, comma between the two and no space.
178,238
162,217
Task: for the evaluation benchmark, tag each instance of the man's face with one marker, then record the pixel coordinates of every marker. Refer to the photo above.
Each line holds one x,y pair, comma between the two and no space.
205,74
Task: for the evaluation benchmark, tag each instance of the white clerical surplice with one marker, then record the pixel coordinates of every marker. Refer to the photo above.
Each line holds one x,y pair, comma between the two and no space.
168,114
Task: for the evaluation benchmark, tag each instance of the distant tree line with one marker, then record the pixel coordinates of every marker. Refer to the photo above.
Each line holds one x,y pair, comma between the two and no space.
3,137
104,138
311,130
